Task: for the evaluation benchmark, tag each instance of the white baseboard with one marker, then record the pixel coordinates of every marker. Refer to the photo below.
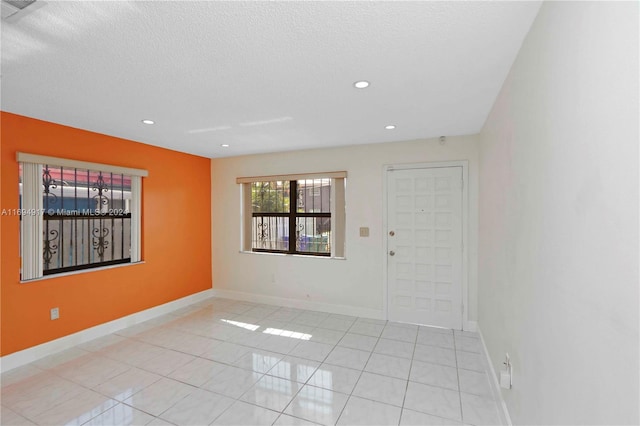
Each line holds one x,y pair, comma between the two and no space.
34,353
299,304
470,326
505,418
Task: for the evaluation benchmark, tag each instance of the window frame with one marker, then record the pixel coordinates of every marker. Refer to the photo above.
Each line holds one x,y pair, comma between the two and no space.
292,215
98,241
337,213
32,240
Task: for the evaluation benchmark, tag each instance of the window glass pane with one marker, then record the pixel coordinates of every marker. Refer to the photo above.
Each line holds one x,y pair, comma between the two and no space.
314,196
270,197
271,215
270,233
313,234
86,218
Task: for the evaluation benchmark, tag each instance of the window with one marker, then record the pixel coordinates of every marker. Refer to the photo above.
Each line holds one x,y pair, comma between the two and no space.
294,214
77,215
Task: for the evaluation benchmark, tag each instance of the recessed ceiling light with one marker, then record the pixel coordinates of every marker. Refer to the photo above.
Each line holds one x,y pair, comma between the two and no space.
361,84
390,127
148,121
225,145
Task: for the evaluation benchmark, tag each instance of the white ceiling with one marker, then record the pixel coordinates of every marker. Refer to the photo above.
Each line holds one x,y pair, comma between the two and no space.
261,76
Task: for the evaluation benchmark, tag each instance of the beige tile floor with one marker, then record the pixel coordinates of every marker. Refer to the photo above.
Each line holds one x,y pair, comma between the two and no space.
225,362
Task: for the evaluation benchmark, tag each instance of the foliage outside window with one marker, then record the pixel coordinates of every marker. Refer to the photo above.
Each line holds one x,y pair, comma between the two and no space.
292,216
295,214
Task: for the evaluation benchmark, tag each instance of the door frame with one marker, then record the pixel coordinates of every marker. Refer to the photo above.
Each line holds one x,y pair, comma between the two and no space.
465,230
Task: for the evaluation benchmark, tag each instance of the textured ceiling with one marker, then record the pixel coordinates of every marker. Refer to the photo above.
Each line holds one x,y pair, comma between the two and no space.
261,76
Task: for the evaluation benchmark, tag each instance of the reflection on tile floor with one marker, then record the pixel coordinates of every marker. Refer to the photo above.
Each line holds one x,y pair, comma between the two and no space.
227,362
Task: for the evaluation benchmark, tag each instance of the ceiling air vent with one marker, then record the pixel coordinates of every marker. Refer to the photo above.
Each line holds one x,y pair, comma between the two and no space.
11,7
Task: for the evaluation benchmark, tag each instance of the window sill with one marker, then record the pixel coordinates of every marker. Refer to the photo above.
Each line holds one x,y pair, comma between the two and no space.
82,271
306,256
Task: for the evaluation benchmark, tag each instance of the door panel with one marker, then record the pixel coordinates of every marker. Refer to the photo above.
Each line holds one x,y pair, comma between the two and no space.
424,240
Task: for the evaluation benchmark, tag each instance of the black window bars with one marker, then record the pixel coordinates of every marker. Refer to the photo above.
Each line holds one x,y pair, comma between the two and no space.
277,216
86,219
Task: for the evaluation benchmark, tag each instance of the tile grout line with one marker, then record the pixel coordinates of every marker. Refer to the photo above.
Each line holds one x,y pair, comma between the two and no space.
361,371
311,375
169,378
238,399
415,344
455,353
191,316
53,373
98,353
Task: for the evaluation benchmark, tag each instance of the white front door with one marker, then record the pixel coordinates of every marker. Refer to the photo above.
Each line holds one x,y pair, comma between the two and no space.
424,246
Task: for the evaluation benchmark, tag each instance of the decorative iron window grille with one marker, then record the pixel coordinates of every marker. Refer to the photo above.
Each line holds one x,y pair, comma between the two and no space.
77,215
291,216
86,219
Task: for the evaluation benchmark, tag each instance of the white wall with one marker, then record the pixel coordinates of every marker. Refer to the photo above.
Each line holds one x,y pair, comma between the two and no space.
558,253
356,282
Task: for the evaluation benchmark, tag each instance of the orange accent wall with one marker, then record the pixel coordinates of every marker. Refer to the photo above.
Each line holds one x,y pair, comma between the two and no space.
176,236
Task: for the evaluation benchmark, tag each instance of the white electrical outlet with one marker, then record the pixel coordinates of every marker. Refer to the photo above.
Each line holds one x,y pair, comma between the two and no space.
55,313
